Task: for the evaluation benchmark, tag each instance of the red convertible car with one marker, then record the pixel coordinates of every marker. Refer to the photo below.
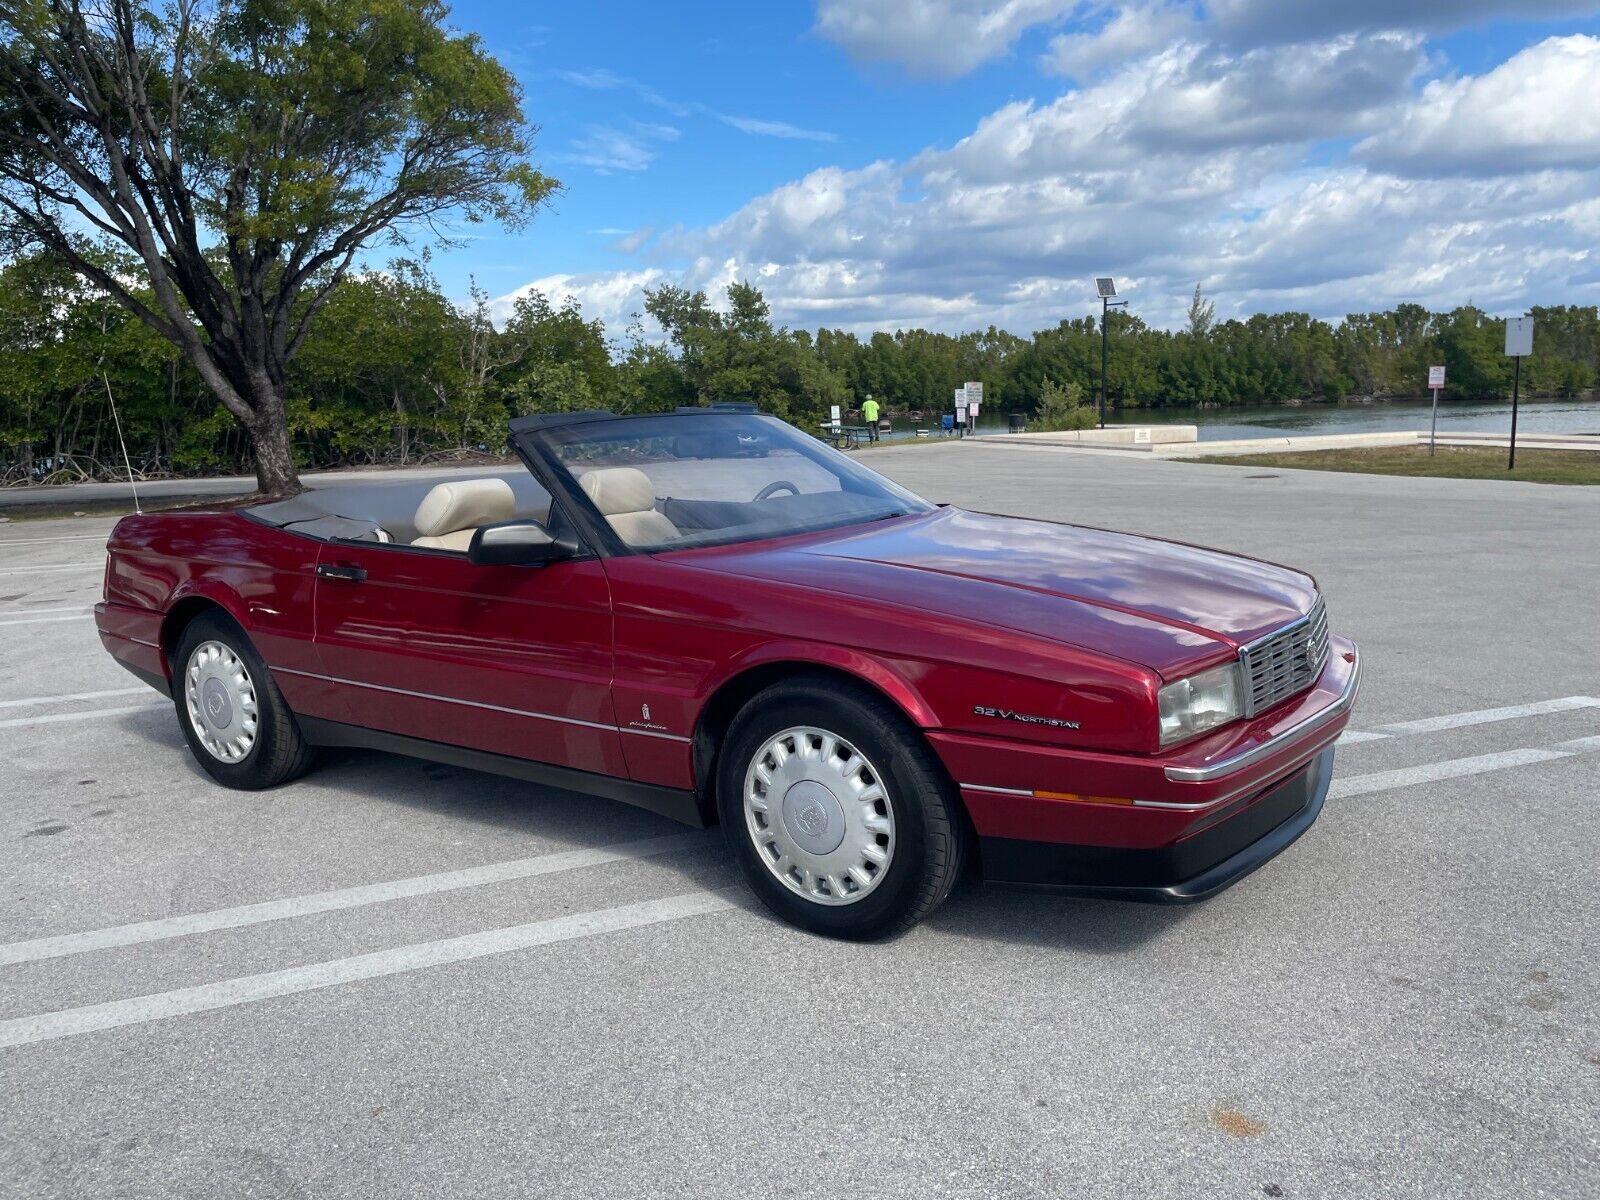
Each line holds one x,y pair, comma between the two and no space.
718,618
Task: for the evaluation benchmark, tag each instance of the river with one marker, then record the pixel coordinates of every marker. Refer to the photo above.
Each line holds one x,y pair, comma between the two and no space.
1282,420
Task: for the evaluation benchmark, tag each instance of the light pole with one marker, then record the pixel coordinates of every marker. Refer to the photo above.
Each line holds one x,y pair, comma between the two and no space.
1107,289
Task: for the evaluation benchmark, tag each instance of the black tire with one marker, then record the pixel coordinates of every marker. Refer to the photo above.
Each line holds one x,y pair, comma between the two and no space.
280,752
928,832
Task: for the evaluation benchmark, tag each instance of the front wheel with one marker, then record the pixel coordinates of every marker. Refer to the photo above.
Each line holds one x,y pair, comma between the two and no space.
235,720
840,817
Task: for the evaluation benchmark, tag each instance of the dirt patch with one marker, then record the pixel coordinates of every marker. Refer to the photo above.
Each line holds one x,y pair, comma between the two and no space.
1235,1123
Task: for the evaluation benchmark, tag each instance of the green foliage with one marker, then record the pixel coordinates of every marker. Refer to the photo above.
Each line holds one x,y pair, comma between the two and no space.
392,371
1062,407
738,357
286,135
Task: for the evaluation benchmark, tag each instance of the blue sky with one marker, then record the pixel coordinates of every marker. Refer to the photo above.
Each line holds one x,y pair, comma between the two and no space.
956,163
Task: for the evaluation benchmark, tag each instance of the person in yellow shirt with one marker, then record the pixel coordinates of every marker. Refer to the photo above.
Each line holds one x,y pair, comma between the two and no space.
869,415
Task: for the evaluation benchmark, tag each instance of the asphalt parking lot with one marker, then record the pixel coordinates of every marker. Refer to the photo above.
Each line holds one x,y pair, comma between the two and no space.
400,979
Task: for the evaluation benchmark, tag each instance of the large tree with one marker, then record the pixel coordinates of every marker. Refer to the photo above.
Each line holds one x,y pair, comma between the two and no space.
246,152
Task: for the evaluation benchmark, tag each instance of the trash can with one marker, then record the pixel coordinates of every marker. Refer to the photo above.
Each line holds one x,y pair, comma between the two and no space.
1019,422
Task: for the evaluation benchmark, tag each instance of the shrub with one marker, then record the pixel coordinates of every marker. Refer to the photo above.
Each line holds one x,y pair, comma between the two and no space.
1061,406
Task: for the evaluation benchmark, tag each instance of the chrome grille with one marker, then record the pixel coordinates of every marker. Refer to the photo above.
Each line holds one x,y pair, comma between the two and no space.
1286,662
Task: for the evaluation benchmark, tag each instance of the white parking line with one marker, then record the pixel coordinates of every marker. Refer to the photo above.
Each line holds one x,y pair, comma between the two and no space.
41,612
85,569
1453,768
39,701
156,701
82,616
352,897
1487,715
230,992
1583,745
1352,736
77,537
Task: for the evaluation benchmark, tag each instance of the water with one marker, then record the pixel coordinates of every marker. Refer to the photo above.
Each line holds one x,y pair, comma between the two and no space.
1284,420
1455,416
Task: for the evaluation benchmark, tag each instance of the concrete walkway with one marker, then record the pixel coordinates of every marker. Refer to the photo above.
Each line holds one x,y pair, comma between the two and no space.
1087,440
66,495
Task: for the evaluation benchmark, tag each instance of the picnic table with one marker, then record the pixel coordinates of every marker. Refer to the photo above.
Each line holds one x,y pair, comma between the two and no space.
848,437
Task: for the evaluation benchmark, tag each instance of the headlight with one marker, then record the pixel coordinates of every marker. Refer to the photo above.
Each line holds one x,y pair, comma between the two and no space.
1199,703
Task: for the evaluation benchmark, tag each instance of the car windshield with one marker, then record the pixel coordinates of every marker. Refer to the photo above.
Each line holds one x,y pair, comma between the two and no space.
699,479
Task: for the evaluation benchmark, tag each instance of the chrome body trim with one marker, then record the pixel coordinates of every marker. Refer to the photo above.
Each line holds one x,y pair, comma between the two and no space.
1267,749
515,712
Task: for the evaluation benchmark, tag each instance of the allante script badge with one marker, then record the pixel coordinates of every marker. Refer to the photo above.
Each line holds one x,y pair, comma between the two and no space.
1005,714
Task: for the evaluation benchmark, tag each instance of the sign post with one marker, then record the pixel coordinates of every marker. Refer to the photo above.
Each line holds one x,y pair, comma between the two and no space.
1106,288
974,395
960,404
1435,383
1519,342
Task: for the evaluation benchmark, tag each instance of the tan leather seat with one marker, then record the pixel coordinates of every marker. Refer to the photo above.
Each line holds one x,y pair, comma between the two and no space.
451,512
627,499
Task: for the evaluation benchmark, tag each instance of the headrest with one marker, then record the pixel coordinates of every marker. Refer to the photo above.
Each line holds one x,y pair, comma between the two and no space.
464,504
618,490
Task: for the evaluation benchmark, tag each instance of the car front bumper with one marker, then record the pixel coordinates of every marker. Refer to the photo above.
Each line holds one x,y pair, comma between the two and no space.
1216,853
1171,827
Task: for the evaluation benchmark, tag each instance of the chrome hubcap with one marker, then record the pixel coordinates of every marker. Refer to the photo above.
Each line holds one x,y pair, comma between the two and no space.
221,700
819,815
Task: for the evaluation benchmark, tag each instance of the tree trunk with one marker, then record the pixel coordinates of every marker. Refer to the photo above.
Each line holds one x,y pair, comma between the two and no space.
269,440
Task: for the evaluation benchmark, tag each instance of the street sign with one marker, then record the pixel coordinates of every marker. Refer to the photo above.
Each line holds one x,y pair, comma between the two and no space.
1519,337
1435,382
974,393
961,397
834,415
1519,344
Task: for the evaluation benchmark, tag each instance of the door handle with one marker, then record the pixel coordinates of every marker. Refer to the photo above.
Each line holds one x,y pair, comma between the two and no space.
348,574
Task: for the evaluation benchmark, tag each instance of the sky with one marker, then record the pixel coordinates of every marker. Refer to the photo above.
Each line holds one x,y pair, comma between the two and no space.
952,164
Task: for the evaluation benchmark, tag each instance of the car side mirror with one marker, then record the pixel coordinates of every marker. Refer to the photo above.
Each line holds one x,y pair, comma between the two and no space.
517,543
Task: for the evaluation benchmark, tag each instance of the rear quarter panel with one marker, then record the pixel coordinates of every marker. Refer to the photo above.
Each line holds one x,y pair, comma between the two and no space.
163,563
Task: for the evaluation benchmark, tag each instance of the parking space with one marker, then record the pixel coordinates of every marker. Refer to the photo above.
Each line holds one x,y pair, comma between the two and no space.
396,978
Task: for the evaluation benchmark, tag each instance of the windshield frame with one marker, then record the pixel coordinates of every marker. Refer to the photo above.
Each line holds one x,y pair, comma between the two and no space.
537,444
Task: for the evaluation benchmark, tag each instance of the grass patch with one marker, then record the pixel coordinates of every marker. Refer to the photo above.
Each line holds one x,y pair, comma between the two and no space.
1451,462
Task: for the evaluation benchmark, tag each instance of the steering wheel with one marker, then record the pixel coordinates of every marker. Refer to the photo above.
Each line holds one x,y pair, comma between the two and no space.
773,488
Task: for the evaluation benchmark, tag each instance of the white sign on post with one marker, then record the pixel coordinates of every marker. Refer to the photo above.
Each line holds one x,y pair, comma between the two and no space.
1435,382
1519,344
834,414
974,393
1519,337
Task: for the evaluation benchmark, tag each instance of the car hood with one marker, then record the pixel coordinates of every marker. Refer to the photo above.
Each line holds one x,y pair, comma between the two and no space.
1159,603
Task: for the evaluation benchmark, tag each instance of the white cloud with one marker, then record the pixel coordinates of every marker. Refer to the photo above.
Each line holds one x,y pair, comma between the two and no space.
933,37
607,148
1298,20
1129,31
1193,162
1539,109
777,129
613,296
947,38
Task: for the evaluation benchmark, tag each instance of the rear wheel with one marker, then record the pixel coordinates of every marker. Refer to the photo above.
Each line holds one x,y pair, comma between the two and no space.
235,720
838,814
